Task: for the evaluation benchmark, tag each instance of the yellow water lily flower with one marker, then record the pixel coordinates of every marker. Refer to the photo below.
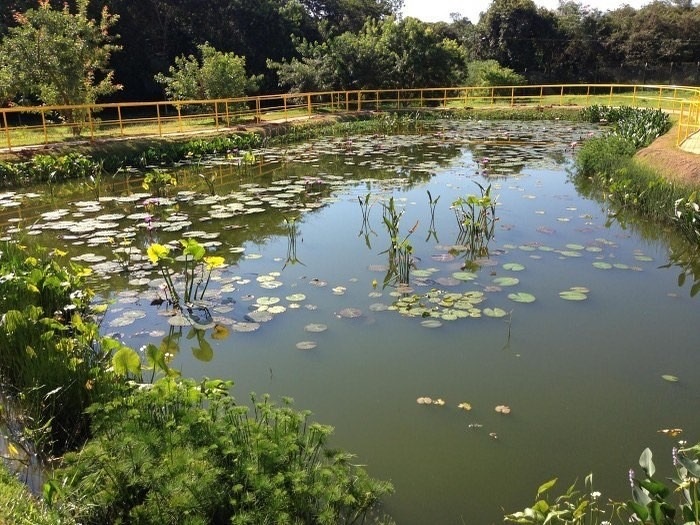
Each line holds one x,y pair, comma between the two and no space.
214,261
157,252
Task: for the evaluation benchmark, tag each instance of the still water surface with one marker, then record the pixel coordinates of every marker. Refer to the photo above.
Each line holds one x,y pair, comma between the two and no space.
583,379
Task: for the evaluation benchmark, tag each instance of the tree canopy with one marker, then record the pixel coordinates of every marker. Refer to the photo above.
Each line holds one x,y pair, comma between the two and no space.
58,56
304,45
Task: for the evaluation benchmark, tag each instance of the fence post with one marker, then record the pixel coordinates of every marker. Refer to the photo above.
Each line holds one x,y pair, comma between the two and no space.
258,114
91,124
228,117
588,93
377,97
611,95
680,125
121,122
512,97
160,126
308,103
284,98
43,126
359,101
561,96
398,99
661,92
7,130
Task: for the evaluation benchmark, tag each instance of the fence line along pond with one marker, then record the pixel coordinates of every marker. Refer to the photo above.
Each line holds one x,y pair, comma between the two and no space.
470,323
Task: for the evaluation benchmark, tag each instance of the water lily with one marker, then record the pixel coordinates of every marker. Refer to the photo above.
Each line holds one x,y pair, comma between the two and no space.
157,253
214,261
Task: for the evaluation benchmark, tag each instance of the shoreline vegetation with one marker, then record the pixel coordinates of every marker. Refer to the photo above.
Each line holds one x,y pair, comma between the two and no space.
250,464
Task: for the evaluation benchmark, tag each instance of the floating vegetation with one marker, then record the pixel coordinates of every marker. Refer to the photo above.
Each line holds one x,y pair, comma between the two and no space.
430,401
575,293
315,327
502,409
670,378
306,345
465,406
521,297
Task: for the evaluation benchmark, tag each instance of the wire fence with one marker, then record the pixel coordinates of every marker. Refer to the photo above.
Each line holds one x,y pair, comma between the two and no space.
45,125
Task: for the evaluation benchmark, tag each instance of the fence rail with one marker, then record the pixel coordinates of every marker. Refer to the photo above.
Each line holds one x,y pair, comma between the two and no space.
43,125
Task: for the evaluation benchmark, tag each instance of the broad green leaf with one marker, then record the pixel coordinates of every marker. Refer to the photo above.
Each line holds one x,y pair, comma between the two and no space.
640,510
521,297
126,361
691,466
646,462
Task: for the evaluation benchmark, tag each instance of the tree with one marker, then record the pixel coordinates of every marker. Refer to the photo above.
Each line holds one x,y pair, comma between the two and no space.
386,54
490,73
217,75
59,57
517,35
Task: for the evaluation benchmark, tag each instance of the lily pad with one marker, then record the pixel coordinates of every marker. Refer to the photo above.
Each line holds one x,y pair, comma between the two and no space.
465,406
601,265
306,345
316,327
464,276
670,378
506,281
502,409
350,313
521,297
573,295
495,312
514,267
431,323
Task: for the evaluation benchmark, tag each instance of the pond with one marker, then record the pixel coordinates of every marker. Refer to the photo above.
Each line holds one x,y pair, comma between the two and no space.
564,346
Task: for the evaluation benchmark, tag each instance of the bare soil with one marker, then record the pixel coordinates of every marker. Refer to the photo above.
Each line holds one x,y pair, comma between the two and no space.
672,162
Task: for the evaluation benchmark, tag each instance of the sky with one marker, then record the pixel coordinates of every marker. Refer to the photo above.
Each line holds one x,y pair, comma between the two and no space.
439,10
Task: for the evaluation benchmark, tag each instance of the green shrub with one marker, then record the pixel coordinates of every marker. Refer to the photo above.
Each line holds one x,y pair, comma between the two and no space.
604,155
638,125
181,452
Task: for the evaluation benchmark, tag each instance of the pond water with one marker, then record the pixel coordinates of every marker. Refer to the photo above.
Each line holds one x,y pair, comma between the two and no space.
301,309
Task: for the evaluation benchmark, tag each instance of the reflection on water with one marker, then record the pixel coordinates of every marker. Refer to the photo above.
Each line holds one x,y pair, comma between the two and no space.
566,318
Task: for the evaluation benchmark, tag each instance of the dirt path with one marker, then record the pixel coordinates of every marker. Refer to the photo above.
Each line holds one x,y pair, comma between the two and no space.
671,161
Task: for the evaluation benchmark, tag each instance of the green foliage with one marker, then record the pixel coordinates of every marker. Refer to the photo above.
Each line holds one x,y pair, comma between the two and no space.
59,57
476,218
687,215
182,452
574,507
19,507
408,53
400,250
652,500
157,181
214,75
638,125
491,73
53,363
196,272
604,155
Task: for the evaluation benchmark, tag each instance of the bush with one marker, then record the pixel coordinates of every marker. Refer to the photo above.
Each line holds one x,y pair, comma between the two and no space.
604,155
18,506
181,452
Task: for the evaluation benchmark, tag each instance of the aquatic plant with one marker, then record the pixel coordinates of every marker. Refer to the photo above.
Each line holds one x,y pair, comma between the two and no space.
476,218
158,181
400,251
292,234
197,270
184,448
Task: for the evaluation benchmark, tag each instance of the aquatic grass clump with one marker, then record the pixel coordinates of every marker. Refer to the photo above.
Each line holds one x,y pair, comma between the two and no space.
184,448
